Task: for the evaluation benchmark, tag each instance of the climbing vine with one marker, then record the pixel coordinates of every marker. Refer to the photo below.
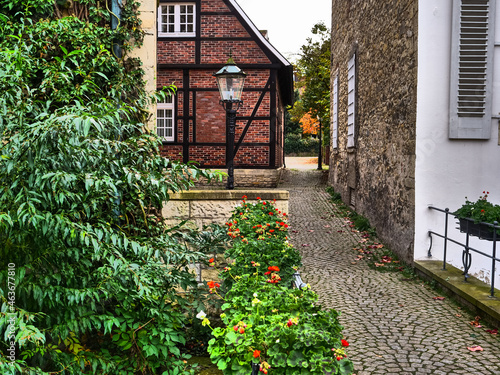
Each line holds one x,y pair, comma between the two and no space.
90,273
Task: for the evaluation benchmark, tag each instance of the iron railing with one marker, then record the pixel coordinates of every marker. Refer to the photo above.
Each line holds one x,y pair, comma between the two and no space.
467,250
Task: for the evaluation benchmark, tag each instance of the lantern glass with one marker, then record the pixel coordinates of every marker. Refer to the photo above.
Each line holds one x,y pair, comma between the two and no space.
230,86
230,80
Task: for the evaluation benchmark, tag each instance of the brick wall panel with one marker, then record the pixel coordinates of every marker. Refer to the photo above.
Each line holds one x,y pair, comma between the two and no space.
244,52
182,52
222,26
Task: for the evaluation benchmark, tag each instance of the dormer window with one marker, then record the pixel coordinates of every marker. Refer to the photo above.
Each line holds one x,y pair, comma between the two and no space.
176,19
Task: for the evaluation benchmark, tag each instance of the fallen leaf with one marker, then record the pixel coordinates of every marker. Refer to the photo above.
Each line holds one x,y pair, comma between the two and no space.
492,331
458,315
311,230
294,231
438,298
354,263
475,323
475,348
379,264
340,231
326,226
305,245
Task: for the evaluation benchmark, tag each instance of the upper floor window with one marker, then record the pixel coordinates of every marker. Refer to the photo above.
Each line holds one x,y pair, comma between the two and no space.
335,112
351,102
165,119
176,19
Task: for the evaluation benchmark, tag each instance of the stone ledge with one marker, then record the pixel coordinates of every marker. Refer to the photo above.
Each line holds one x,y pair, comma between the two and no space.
474,293
217,194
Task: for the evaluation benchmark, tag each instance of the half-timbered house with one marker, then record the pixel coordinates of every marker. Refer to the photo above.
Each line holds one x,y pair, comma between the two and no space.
195,39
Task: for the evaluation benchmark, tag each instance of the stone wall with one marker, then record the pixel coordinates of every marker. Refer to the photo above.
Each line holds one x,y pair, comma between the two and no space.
377,175
203,207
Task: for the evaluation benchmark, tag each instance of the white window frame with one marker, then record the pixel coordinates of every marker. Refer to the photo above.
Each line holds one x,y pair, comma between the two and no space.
165,119
335,111
351,102
178,21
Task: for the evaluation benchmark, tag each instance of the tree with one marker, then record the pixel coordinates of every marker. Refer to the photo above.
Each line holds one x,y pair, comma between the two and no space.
97,271
309,124
313,70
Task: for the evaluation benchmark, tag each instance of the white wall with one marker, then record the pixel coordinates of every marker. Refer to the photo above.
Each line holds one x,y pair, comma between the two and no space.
449,170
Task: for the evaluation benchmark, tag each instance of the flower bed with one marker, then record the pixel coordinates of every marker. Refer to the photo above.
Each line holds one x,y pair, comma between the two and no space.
265,322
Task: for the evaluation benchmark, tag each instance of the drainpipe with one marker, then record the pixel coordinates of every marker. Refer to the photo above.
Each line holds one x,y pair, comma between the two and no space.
116,12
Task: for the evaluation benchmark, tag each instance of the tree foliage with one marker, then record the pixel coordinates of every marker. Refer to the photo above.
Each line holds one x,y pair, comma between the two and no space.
82,185
313,70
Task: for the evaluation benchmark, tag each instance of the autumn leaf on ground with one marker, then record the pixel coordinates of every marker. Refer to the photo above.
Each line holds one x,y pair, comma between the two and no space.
326,226
379,264
475,348
475,323
386,259
311,230
438,298
305,245
458,315
492,331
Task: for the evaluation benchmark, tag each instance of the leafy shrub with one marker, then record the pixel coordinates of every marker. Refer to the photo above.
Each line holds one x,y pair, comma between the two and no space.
97,271
295,144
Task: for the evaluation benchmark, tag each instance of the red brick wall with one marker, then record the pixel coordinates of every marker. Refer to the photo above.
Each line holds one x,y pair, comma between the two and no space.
179,51
214,6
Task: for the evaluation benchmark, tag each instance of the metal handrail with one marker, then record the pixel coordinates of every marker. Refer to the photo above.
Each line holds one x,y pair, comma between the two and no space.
466,253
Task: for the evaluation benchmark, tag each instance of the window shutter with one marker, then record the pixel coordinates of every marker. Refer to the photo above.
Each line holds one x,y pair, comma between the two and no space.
471,69
335,112
351,100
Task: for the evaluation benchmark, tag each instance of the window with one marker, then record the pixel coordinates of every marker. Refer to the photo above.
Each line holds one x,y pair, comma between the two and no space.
165,119
176,19
471,69
351,101
335,112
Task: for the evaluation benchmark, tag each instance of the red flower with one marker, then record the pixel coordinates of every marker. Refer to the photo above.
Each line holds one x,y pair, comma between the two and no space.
244,197
273,268
344,343
270,213
242,330
289,323
211,260
267,273
256,353
213,285
271,231
258,198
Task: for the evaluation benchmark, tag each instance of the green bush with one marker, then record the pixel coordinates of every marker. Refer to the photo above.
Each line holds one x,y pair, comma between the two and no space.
295,144
94,270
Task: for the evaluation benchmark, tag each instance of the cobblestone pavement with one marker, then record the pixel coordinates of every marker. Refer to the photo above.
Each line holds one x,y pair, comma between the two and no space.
393,325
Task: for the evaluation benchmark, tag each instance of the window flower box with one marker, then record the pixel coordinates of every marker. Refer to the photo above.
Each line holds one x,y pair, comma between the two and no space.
474,216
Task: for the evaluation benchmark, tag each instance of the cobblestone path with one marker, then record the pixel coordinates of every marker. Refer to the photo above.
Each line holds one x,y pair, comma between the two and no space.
393,325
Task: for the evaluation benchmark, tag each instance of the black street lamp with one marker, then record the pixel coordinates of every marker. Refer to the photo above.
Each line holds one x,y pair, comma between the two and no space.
230,81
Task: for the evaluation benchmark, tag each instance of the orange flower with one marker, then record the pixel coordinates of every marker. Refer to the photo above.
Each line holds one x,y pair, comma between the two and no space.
273,268
256,353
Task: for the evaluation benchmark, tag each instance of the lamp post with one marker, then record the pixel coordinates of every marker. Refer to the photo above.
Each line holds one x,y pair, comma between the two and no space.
320,155
230,80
